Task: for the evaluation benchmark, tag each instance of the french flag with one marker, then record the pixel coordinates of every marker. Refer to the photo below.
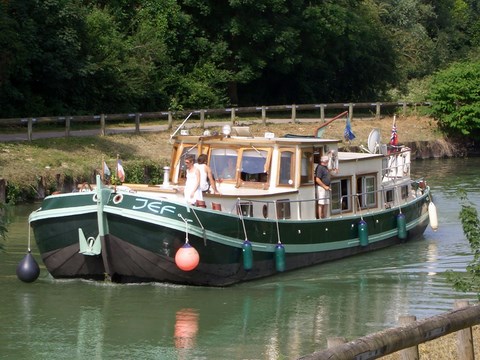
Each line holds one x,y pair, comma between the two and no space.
120,171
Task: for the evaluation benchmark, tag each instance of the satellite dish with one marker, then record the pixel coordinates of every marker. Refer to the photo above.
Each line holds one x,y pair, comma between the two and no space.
373,141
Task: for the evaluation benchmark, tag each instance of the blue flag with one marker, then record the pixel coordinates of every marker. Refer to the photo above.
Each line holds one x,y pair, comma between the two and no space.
348,134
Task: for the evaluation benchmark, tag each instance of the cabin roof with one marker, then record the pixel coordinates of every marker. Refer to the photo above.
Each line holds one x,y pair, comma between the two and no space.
346,156
243,140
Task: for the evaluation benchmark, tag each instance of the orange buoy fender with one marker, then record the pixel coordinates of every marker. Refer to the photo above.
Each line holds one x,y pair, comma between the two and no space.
432,214
187,257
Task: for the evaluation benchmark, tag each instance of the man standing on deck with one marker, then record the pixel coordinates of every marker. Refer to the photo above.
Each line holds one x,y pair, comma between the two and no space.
322,181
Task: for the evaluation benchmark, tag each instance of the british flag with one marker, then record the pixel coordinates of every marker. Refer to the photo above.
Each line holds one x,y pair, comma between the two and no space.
394,136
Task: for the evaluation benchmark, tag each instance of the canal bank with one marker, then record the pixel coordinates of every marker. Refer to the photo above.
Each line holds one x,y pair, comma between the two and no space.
32,169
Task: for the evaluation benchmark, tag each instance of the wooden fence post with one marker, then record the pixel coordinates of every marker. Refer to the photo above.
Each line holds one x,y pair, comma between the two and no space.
202,119
41,188
410,353
232,115
350,111
377,112
102,125
294,113
264,115
30,129
137,123
322,112
464,337
67,126
170,120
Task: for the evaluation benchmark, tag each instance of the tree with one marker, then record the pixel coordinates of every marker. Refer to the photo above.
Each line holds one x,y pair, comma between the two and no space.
470,281
455,96
43,53
406,23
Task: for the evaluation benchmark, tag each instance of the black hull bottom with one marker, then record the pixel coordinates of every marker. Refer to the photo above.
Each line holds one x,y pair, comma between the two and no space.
67,262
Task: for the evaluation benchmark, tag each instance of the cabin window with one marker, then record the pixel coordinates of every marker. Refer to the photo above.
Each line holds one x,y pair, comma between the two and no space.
404,192
341,196
389,196
283,209
306,168
245,208
366,191
253,165
223,163
286,173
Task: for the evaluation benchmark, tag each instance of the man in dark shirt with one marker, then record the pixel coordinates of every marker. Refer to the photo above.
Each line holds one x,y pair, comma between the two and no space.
322,180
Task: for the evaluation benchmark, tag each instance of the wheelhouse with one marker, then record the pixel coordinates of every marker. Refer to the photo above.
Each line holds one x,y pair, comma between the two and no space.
268,176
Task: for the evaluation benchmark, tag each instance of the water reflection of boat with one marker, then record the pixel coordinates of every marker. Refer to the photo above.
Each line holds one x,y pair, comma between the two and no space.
265,221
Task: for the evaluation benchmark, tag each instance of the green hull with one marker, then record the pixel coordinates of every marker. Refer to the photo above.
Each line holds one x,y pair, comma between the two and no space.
144,234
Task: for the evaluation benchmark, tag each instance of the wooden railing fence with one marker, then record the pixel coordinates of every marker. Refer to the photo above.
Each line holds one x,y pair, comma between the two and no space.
233,112
408,336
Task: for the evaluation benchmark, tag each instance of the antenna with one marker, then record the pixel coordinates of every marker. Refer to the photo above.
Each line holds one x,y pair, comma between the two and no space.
178,128
374,141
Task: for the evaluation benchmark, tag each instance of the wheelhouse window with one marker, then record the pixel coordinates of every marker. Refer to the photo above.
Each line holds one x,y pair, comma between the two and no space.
286,173
223,163
367,191
341,196
253,165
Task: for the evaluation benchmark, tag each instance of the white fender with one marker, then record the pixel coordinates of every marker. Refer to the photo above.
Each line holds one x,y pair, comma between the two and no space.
432,214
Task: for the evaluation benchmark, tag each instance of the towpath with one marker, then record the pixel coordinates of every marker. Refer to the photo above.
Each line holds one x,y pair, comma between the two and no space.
23,136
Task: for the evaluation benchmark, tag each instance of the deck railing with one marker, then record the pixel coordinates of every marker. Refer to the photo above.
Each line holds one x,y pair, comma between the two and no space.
282,206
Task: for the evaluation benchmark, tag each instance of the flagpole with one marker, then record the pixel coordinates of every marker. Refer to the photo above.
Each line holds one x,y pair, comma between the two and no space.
116,173
103,169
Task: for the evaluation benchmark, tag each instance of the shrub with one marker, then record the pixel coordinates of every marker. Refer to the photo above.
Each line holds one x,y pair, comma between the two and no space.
470,281
455,96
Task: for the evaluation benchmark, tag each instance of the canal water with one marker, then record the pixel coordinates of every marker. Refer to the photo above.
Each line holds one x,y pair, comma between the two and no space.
282,317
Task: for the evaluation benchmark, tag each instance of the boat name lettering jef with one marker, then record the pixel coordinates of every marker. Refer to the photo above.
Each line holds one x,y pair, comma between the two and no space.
156,207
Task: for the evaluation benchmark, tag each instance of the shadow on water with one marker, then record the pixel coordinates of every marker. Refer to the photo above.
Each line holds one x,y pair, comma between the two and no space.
280,317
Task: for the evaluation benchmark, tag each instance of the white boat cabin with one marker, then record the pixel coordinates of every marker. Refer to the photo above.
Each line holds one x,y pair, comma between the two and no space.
272,177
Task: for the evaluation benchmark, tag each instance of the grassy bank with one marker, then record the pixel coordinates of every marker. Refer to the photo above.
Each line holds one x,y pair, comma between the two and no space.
50,161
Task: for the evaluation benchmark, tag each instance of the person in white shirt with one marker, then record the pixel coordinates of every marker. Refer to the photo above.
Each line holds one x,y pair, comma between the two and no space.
192,191
207,181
